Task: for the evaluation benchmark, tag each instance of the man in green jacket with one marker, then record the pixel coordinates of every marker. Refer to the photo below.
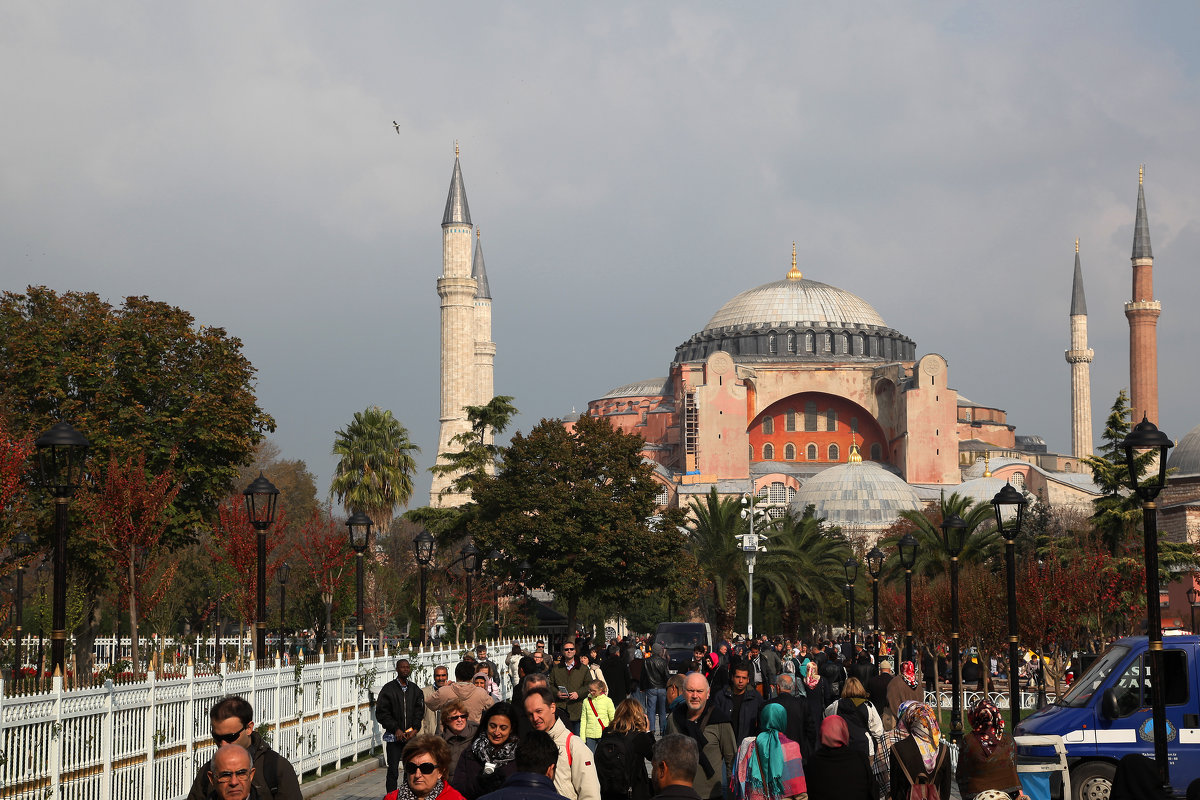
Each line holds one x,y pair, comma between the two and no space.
569,681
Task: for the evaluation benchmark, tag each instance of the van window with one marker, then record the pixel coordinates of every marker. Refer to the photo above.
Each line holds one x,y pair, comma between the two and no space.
1082,690
1133,687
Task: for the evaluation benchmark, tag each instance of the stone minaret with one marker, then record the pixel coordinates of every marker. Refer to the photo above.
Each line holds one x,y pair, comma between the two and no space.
457,289
1080,358
1142,311
485,348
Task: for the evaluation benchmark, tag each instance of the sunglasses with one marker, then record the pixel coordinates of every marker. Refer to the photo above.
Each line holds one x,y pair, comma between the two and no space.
228,775
425,769
456,717
228,738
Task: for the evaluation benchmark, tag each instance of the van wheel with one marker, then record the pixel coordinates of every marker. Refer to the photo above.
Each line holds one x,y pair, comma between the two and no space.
1092,781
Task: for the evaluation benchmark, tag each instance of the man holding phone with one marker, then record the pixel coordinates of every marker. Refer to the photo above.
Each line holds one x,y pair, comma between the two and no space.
570,680
400,711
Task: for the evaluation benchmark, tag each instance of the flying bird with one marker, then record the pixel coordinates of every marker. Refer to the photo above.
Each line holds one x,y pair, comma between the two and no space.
396,125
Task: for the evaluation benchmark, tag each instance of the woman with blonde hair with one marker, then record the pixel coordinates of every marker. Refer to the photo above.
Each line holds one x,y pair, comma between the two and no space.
598,714
630,734
862,719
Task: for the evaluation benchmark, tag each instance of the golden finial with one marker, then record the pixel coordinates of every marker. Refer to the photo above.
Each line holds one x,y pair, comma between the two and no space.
456,148
1141,173
987,473
1077,245
477,236
855,457
794,274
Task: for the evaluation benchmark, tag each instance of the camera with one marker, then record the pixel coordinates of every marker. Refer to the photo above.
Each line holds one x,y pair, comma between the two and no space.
488,768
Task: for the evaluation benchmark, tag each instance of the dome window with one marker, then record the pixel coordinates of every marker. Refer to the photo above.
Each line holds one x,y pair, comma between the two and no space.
789,452
791,342
828,342
844,345
768,452
772,347
810,342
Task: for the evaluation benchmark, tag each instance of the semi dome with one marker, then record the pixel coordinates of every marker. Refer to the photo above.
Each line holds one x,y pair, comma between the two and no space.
796,302
860,495
1185,458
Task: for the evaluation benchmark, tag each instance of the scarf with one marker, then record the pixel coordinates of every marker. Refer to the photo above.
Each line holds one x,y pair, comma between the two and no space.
769,751
834,732
405,792
711,715
813,677
908,671
917,720
988,725
488,753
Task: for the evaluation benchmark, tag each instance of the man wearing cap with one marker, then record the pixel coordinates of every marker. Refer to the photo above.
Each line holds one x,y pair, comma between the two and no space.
877,687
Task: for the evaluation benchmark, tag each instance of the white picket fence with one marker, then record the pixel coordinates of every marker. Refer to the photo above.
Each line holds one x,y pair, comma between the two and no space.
146,740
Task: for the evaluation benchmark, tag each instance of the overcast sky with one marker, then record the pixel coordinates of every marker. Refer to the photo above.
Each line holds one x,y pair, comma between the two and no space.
632,167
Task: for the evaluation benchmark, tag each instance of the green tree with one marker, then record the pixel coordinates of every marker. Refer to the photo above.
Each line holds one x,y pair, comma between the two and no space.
1116,514
375,467
981,543
712,540
578,505
479,451
805,561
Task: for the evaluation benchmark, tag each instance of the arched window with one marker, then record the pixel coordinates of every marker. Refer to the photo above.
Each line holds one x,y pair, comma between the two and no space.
1018,480
810,342
858,345
812,452
789,452
768,452
831,420
778,492
828,342
791,494
810,416
876,452
834,453
844,345
751,452
768,425
790,420
874,345
791,342
772,348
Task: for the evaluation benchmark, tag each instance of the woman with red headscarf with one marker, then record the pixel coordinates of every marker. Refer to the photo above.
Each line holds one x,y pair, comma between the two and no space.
986,759
904,687
837,771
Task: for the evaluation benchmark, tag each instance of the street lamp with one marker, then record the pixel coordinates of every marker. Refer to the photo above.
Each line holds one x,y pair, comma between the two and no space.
954,530
1146,438
423,547
908,557
61,453
261,499
39,577
1191,596
21,546
750,550
875,567
285,570
494,558
471,563
360,536
851,568
1009,505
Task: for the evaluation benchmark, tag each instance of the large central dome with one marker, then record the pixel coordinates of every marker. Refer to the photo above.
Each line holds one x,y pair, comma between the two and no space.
796,302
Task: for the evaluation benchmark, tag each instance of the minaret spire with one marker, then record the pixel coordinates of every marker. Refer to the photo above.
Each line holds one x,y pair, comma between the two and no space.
1143,311
1080,358
457,212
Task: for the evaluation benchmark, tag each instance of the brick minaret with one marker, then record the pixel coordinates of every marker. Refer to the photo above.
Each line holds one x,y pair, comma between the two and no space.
457,289
1080,358
1142,311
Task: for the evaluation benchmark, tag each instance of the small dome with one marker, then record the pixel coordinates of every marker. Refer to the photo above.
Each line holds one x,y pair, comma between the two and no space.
801,300
981,489
653,387
1185,457
859,495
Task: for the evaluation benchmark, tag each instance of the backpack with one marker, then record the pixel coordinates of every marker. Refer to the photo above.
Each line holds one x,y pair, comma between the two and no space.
615,761
271,771
921,788
857,718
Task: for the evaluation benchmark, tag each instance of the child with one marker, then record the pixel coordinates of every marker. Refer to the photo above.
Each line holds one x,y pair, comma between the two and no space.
598,714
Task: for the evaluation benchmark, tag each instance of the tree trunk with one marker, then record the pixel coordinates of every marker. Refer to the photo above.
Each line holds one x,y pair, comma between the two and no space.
133,616
572,614
328,628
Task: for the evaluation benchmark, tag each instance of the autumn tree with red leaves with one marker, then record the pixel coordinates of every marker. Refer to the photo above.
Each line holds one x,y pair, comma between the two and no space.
327,554
125,517
234,544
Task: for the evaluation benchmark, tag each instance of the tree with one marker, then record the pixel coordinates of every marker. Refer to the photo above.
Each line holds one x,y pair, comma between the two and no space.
712,541
479,451
1116,513
805,559
578,505
981,541
327,555
375,468
126,517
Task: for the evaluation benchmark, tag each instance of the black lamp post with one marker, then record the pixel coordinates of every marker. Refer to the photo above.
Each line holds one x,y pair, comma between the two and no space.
908,557
1146,438
471,562
261,499
851,567
954,530
494,558
875,567
40,579
1009,505
21,546
285,570
61,453
423,547
360,536
1191,596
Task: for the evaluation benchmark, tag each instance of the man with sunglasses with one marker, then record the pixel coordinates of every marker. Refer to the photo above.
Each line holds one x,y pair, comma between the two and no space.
232,720
570,680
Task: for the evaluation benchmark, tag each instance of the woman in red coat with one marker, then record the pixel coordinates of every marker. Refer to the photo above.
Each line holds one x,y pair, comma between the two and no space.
426,759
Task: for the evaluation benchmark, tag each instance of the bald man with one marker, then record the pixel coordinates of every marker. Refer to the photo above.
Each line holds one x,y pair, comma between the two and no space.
231,774
708,725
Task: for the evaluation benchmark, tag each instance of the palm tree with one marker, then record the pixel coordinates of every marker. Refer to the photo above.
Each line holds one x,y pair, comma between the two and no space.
375,471
711,541
982,542
805,561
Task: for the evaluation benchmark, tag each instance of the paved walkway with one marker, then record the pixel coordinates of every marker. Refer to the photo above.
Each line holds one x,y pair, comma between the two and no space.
368,786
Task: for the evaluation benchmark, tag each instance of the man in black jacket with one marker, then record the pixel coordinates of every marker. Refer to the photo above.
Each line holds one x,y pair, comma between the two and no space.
232,720
400,711
801,728
616,674
741,703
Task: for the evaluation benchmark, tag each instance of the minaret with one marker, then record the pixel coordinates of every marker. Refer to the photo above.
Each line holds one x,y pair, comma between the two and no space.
1142,311
485,348
1080,358
457,289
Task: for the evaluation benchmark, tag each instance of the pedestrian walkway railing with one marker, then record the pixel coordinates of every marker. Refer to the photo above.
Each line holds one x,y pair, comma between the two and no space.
945,699
145,740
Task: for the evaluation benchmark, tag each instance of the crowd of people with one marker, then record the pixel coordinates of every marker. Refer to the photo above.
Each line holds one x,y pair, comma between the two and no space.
750,720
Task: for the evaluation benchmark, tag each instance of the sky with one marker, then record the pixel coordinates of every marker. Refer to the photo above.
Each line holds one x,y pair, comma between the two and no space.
631,168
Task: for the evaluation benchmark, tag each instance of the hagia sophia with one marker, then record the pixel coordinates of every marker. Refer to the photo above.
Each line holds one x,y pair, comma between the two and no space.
802,393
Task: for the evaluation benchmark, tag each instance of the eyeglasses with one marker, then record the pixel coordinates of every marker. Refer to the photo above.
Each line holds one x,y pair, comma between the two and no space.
226,776
228,738
568,649
456,717
426,768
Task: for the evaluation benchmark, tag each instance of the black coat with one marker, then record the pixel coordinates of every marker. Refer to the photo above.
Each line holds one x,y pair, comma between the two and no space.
399,710
801,724
616,675
470,780
840,773
746,722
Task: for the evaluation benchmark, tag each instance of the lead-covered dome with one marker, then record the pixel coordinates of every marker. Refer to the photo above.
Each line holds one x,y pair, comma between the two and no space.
1185,458
862,496
788,302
